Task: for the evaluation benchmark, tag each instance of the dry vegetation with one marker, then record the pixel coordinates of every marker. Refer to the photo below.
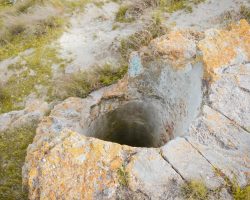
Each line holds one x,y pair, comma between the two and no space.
82,83
233,16
127,13
197,190
194,190
141,38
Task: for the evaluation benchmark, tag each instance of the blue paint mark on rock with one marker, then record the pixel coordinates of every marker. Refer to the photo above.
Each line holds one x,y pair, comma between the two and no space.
135,66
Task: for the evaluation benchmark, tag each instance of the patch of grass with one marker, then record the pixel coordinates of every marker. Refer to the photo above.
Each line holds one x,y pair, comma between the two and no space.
32,23
13,145
4,4
72,6
99,4
31,27
141,38
241,193
233,187
194,190
36,70
123,176
245,13
5,99
157,17
21,43
121,15
83,83
175,5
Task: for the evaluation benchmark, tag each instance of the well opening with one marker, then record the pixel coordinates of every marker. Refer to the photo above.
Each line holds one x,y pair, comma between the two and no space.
135,124
166,106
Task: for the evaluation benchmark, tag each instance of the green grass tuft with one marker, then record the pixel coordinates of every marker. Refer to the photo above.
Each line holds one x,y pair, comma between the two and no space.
195,190
121,15
241,193
123,176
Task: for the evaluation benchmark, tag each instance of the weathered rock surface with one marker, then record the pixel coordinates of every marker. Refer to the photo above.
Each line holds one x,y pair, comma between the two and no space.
155,105
33,112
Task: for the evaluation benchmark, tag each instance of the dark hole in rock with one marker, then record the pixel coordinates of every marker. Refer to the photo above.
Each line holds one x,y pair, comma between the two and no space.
155,119
135,124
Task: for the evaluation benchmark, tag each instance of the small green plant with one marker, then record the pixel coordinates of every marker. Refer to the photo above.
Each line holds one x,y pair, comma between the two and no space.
241,193
195,190
121,15
123,176
13,145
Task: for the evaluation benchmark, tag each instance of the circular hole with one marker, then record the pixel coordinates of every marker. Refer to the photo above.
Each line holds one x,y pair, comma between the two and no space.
135,124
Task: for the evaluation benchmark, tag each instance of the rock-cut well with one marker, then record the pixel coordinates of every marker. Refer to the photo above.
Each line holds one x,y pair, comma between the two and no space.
158,127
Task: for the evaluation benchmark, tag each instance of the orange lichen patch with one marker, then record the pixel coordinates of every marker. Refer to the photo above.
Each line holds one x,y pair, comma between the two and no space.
176,46
224,47
78,168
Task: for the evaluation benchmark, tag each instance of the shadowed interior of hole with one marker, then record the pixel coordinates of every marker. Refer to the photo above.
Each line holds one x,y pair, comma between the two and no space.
134,124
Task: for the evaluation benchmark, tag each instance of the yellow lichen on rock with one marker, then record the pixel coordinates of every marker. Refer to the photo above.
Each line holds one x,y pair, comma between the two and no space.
225,47
81,167
176,46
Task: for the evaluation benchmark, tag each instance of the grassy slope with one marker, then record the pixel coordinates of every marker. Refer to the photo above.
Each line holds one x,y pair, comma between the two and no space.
35,29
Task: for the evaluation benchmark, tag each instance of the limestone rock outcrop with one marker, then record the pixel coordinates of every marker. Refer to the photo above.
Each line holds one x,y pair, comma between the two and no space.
31,114
157,128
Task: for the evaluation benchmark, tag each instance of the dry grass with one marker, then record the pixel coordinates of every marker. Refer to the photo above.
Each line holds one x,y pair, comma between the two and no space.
34,22
233,16
245,13
139,6
141,38
194,190
82,83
